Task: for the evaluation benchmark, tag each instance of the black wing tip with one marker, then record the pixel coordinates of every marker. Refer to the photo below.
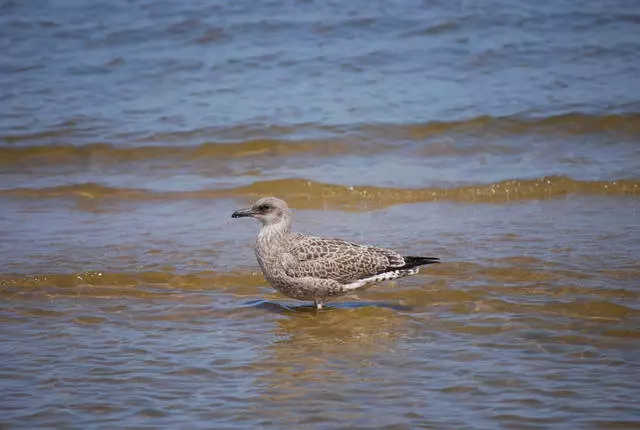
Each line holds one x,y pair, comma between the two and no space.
410,261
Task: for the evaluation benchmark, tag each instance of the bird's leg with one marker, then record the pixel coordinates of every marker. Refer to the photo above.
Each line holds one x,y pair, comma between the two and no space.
319,303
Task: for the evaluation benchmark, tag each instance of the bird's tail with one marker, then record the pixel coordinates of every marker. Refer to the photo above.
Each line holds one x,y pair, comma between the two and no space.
410,268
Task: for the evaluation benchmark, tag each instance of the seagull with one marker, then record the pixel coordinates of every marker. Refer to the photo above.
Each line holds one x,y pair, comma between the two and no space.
314,268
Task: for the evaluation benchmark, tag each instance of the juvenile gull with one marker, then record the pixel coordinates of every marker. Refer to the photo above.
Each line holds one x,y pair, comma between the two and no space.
315,268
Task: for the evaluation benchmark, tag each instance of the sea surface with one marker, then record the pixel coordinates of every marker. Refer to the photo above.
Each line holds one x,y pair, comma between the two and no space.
501,136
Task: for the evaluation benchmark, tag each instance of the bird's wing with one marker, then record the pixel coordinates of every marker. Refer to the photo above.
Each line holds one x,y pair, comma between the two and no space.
339,260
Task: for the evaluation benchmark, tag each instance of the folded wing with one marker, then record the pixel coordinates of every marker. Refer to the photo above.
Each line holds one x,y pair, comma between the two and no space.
339,260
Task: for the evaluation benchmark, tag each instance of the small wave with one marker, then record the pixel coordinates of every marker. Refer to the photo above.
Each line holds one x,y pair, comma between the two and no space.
513,288
105,153
252,134
571,123
566,124
127,284
491,135
434,29
317,195
303,193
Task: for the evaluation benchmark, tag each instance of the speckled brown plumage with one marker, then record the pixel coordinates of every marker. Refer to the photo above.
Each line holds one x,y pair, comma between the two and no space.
315,268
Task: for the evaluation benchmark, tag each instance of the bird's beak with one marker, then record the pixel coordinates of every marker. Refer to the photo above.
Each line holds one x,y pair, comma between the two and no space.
243,213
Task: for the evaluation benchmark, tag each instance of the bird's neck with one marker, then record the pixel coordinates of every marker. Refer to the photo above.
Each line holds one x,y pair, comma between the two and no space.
272,234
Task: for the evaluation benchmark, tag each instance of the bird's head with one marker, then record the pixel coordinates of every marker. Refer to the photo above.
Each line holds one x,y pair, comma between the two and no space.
267,210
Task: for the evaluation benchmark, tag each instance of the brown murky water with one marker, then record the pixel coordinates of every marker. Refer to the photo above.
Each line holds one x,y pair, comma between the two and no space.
507,144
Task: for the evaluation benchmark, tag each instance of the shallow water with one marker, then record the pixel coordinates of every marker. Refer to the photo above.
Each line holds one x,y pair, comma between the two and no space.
503,138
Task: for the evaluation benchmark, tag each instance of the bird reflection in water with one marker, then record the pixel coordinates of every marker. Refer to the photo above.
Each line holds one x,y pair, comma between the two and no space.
316,357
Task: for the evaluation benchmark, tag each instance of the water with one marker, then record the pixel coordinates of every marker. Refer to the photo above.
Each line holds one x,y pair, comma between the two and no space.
502,137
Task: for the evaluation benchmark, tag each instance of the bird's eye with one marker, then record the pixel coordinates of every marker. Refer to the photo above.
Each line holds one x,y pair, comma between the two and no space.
264,207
